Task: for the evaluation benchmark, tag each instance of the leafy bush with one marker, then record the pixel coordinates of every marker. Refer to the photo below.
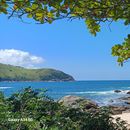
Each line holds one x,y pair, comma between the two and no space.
33,110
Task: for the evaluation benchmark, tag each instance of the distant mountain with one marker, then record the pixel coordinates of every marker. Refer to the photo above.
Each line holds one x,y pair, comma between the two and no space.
16,73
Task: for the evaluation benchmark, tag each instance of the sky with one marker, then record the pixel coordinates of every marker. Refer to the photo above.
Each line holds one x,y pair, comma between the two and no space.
64,45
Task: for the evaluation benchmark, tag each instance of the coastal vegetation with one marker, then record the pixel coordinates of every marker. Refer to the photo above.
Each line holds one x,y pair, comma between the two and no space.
16,73
33,110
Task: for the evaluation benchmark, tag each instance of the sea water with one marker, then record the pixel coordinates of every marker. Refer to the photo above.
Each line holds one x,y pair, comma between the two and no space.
101,92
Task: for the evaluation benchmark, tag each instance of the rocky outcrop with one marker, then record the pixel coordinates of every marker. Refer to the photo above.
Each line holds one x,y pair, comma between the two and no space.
128,92
78,102
119,109
124,91
117,91
126,100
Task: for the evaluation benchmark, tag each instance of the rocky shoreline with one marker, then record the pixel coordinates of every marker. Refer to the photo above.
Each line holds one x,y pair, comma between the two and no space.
125,100
88,105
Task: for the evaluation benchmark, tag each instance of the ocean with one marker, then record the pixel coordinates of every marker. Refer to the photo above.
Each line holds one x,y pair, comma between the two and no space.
101,92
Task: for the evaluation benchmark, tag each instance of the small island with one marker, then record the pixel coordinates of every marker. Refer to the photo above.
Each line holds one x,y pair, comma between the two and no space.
16,73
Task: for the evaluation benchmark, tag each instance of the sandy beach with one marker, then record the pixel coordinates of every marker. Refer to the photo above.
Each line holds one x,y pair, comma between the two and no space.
125,117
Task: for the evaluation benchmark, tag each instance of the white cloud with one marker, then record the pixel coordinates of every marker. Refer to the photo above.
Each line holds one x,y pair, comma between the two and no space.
19,58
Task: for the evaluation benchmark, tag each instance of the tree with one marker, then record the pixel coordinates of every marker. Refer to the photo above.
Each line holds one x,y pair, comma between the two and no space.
93,12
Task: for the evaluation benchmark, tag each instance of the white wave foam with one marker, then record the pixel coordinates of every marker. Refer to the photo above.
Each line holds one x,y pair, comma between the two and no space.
5,87
124,91
91,92
99,92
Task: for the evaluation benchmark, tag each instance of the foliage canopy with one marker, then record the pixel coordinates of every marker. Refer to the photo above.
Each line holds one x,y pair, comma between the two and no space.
93,12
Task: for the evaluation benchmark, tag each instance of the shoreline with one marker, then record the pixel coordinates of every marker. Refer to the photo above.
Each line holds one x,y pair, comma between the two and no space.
40,81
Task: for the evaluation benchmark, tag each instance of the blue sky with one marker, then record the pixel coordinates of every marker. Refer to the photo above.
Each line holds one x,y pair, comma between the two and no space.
68,46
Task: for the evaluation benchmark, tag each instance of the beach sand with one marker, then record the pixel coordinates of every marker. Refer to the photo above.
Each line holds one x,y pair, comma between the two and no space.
125,117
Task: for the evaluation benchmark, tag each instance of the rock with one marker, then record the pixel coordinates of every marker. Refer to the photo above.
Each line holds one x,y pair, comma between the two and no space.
117,91
125,98
118,109
127,102
128,92
111,101
78,102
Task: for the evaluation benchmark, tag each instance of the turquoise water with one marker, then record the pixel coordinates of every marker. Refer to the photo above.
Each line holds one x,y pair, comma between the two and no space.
100,91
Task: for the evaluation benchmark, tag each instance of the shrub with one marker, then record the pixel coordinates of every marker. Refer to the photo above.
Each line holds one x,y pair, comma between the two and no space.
33,110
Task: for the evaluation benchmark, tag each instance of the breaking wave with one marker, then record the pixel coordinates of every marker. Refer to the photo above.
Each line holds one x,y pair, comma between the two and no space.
92,92
5,87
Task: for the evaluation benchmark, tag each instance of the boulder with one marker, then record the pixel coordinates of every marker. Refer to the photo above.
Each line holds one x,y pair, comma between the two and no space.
125,98
128,92
117,91
118,109
111,101
127,102
78,102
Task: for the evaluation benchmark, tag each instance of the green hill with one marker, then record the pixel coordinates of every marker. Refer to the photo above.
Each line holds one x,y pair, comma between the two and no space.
16,73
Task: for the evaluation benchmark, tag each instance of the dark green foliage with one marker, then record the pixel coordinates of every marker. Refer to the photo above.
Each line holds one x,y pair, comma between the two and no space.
15,73
45,114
